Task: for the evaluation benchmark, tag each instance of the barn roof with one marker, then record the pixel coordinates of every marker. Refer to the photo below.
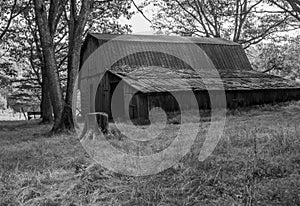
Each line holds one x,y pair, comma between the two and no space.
163,39
224,54
159,79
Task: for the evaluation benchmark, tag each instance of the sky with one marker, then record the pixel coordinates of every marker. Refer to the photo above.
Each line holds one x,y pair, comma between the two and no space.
139,24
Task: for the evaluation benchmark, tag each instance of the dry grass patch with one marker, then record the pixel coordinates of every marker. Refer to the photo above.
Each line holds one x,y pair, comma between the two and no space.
257,162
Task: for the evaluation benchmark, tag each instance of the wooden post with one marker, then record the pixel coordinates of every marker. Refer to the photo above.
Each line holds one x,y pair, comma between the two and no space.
101,118
26,118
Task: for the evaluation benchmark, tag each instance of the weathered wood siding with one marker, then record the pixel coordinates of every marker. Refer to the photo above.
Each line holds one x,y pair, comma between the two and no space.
88,85
225,57
244,98
138,107
140,104
103,100
234,98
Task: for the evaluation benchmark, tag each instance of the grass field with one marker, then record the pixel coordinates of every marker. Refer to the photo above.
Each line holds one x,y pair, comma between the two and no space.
257,162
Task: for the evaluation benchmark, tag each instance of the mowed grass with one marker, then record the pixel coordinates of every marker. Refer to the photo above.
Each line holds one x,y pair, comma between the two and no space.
257,162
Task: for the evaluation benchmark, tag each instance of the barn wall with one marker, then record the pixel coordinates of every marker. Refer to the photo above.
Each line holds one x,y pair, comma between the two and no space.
223,56
90,45
88,86
142,106
235,99
244,98
130,101
104,95
138,103
229,57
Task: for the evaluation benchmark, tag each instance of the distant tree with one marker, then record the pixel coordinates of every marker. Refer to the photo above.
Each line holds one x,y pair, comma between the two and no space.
290,6
279,57
24,47
9,11
8,72
37,64
24,97
18,91
247,22
3,102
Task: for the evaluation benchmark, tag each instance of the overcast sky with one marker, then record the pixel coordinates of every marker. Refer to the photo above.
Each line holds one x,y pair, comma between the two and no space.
139,24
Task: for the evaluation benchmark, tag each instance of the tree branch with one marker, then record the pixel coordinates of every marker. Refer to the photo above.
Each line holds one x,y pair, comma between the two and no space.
141,11
11,17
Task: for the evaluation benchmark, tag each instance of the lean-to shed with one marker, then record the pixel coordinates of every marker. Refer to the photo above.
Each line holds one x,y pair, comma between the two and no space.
148,70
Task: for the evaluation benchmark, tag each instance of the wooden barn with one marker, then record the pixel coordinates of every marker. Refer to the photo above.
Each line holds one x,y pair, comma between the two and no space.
149,77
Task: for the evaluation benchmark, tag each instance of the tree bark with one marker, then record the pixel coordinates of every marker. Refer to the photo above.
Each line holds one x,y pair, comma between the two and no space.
46,105
46,38
47,24
77,24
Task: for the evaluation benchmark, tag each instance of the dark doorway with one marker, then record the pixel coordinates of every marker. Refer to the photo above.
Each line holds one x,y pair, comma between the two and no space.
117,105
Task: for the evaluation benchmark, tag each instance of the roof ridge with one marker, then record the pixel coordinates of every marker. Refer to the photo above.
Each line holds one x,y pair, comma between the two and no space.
163,38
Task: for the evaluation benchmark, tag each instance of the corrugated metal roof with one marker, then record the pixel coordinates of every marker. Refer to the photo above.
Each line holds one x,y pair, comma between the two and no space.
159,79
144,50
163,39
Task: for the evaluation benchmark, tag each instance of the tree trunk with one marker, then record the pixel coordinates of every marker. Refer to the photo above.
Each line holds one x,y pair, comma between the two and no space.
47,24
67,118
53,86
46,105
46,38
76,25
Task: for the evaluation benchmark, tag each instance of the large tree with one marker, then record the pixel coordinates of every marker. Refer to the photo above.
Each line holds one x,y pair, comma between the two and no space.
279,57
76,16
23,46
244,21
